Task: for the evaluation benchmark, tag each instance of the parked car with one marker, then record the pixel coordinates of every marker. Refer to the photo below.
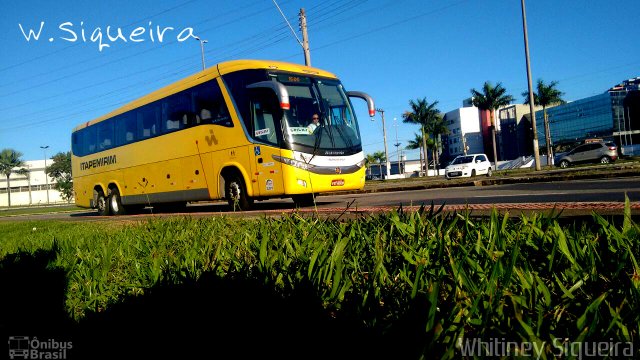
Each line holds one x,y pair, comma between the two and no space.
468,166
596,152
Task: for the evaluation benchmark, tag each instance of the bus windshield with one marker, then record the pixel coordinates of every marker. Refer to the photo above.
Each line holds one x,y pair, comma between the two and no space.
335,133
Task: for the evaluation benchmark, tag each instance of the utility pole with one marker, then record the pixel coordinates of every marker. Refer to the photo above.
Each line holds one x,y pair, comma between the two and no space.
536,151
384,137
305,38
46,177
397,144
303,28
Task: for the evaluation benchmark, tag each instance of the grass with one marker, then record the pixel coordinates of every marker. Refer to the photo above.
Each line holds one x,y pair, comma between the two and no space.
38,210
421,281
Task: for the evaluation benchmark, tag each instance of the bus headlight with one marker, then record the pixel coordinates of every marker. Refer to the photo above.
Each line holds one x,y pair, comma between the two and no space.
360,163
295,163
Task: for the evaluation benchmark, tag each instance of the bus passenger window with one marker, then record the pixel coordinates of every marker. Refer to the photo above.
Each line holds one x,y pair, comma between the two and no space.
177,112
125,129
105,135
148,118
210,105
88,137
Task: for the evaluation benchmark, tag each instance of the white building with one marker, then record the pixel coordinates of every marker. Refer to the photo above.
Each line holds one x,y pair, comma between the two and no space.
464,131
31,189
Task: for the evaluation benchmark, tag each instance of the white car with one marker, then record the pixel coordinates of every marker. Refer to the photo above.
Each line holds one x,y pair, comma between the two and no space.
468,166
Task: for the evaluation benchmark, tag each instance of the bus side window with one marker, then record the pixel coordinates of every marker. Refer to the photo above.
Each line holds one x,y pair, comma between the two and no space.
263,114
210,105
88,138
75,143
126,128
148,118
105,135
177,112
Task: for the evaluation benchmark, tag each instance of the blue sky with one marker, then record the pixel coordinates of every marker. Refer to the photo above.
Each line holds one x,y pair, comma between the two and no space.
394,50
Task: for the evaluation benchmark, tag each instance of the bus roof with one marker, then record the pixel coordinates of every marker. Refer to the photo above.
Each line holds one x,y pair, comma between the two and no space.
205,75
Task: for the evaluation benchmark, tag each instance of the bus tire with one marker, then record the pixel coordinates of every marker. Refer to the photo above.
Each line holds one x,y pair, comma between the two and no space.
102,204
303,200
115,203
236,193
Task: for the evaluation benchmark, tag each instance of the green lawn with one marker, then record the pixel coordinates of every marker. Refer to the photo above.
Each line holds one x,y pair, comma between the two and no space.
37,210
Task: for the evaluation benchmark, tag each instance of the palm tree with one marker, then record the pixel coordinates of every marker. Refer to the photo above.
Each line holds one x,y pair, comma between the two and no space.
423,114
380,158
9,160
546,95
491,98
438,128
416,143
368,161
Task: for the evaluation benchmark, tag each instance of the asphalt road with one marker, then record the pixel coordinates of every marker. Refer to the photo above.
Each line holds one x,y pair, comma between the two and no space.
579,196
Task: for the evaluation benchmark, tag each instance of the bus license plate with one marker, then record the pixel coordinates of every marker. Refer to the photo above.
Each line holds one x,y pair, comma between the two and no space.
338,182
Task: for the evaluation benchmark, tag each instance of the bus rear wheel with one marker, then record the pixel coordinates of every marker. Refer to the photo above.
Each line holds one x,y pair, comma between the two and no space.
236,193
102,205
115,203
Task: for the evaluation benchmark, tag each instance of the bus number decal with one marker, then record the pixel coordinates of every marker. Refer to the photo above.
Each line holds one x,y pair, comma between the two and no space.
262,132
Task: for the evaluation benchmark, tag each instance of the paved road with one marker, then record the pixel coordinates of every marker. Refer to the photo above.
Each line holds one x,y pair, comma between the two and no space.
577,197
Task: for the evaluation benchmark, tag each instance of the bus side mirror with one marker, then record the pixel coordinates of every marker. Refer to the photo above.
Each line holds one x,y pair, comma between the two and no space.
278,88
365,97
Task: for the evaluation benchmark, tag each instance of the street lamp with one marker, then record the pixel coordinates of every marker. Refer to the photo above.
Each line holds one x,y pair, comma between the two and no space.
202,42
397,144
384,138
46,177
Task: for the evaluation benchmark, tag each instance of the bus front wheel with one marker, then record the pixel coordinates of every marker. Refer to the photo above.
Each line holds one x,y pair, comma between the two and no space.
303,200
236,193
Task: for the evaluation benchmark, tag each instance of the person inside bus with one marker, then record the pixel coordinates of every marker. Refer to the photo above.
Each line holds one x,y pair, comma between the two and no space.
315,122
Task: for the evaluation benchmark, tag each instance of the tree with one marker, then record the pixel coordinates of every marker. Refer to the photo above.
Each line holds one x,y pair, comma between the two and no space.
424,114
380,158
369,160
9,161
61,171
491,98
438,128
546,95
416,143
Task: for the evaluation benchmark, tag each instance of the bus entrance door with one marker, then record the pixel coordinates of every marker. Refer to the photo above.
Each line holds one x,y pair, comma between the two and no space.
268,172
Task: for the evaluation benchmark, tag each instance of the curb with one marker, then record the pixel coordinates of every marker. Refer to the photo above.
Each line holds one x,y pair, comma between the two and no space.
573,175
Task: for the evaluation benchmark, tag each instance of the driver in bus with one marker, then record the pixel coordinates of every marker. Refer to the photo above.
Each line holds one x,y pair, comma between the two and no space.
315,122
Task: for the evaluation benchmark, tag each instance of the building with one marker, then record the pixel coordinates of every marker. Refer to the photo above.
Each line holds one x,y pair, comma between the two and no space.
31,189
613,115
515,136
464,132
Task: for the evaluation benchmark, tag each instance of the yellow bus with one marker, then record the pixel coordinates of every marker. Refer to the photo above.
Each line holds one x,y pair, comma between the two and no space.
237,131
